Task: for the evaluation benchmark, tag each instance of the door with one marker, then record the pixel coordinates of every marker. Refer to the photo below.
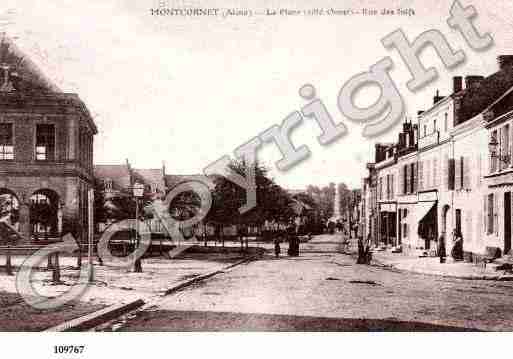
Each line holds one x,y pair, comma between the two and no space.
507,222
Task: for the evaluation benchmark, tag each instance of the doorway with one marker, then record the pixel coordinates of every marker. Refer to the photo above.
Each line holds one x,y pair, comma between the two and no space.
507,222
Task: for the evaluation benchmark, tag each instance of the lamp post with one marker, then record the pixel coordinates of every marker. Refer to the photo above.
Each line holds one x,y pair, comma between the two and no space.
138,191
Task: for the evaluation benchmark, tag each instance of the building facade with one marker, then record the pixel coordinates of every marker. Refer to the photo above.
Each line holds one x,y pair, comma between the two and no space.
46,152
454,176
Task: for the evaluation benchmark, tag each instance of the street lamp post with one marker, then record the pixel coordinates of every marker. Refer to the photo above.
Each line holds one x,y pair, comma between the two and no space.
138,191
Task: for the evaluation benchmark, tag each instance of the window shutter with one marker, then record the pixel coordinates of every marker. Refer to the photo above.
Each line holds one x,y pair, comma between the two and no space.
457,174
408,180
415,177
466,172
391,186
451,177
445,172
427,175
478,170
485,213
401,180
468,220
435,172
495,214
421,175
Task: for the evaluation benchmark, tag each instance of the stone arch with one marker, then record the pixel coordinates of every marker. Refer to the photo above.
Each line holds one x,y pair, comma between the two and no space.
45,213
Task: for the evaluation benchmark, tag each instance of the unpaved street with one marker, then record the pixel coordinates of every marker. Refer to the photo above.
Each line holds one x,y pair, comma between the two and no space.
324,289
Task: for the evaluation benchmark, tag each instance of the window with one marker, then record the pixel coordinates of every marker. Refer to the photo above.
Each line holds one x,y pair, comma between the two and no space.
446,123
45,142
6,142
425,130
434,126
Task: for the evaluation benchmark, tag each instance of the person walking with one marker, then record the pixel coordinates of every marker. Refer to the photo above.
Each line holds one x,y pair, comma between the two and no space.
441,248
277,249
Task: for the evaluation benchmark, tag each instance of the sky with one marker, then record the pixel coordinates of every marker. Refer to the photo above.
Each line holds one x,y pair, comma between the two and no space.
188,91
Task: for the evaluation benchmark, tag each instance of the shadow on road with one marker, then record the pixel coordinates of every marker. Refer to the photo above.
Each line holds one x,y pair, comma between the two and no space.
162,320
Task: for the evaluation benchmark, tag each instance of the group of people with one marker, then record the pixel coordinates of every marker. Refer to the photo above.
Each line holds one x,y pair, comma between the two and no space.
290,236
457,248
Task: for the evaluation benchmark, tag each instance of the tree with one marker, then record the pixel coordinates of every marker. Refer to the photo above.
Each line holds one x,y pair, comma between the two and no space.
272,201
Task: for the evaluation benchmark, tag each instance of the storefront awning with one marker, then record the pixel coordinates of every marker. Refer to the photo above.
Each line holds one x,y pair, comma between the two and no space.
418,212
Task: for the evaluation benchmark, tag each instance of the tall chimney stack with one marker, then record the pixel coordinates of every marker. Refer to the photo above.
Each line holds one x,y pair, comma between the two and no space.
457,84
437,97
472,81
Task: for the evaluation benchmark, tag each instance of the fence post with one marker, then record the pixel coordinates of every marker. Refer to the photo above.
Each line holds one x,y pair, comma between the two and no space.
8,265
50,264
56,274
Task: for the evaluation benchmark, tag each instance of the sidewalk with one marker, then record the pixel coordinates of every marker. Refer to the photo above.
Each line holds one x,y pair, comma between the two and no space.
115,285
432,266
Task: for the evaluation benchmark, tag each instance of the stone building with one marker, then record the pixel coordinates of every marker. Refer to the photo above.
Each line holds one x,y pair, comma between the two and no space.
46,151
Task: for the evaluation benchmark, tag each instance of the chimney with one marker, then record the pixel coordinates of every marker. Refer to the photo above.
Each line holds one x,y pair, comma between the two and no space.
505,61
457,84
437,97
473,81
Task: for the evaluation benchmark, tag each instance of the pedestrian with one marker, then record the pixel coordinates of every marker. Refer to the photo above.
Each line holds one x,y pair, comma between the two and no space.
277,249
441,248
457,248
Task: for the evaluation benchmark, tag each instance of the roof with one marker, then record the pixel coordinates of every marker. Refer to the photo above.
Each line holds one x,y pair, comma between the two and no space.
118,174
24,75
174,180
475,100
150,176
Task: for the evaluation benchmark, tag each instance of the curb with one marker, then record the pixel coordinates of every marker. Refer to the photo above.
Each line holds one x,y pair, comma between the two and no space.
498,277
202,277
96,318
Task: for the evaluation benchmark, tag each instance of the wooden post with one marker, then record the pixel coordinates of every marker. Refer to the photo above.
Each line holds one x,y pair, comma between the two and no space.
56,274
49,266
8,264
90,232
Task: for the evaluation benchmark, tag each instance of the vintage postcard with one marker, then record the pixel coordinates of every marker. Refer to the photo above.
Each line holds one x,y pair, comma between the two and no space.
254,166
